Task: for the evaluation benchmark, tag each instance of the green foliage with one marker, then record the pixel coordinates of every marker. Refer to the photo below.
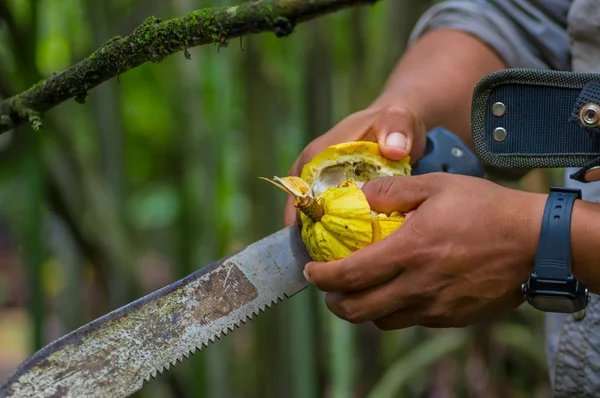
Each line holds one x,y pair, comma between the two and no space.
157,175
416,362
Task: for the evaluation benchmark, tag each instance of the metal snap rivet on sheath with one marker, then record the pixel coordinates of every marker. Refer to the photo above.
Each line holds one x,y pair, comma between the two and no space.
593,174
499,134
590,115
457,152
498,109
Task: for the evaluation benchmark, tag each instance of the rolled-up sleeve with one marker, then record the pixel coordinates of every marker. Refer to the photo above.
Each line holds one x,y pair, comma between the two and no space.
524,33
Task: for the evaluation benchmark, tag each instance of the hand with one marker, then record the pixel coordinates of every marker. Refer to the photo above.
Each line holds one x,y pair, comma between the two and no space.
461,256
398,130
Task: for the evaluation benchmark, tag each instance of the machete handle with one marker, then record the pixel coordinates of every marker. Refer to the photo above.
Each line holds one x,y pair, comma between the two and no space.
446,152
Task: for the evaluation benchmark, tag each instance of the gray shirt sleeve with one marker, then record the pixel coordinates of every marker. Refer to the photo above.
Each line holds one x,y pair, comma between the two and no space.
524,33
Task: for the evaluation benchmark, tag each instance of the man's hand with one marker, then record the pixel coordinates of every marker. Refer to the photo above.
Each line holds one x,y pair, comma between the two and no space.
461,256
397,129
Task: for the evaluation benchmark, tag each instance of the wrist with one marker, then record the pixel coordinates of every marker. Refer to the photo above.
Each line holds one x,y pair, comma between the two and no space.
530,218
585,235
553,286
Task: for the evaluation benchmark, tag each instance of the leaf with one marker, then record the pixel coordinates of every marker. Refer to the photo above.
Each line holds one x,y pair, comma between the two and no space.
417,361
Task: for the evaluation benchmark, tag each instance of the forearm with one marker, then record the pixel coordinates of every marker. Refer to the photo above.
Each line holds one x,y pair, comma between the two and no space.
585,243
436,78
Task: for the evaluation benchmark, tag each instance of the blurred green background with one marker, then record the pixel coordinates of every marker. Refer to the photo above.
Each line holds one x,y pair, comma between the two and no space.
157,175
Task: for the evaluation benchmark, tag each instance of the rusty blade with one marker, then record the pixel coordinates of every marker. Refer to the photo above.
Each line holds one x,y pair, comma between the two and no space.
113,355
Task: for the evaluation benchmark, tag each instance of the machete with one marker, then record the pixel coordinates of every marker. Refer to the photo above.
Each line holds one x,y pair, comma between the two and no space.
116,354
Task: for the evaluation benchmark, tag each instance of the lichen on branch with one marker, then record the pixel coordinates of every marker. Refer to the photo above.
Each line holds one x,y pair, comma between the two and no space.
153,41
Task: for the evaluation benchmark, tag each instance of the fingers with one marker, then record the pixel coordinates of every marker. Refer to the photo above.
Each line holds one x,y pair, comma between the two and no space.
356,127
400,193
396,129
375,303
367,267
400,319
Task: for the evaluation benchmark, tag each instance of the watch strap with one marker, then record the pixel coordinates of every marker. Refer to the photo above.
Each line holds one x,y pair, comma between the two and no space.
553,259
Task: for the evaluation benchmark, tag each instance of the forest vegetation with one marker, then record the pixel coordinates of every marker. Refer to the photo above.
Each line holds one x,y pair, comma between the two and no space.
127,185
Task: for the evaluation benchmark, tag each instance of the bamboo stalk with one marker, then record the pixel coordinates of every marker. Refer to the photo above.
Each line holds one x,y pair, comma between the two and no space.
342,358
109,132
34,247
33,172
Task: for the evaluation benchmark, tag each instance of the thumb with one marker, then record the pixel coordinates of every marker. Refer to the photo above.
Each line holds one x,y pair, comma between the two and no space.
394,129
399,193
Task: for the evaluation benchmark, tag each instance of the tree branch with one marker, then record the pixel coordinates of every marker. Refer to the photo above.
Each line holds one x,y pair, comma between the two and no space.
154,40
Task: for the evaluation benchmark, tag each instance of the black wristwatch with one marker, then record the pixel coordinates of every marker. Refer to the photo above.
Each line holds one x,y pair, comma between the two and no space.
551,287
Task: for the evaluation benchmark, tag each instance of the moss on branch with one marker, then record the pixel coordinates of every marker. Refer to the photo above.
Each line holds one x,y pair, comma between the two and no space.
153,41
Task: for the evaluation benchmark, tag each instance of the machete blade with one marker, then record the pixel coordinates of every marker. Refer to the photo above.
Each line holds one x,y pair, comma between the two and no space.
113,355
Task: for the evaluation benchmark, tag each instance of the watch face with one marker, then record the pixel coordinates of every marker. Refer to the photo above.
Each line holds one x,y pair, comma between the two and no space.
554,304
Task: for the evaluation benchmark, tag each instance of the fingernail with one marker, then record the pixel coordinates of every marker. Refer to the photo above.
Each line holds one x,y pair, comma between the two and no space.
396,140
306,276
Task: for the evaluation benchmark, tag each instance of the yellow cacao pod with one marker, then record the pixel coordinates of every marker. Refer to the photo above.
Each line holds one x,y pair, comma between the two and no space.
335,214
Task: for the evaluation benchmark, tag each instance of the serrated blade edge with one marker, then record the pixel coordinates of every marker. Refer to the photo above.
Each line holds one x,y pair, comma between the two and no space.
114,355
